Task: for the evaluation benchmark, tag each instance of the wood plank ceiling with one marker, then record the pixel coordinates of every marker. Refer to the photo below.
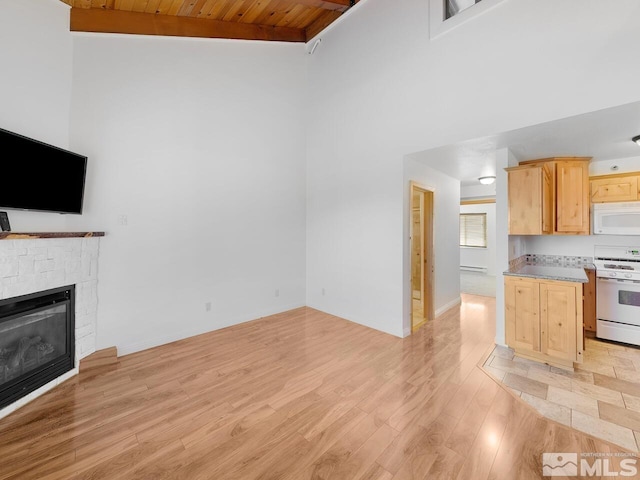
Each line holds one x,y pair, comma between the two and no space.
274,20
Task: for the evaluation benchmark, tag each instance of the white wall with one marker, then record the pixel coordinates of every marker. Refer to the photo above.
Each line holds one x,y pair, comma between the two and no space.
481,257
36,53
349,237
200,144
507,247
579,245
446,235
615,166
381,89
477,191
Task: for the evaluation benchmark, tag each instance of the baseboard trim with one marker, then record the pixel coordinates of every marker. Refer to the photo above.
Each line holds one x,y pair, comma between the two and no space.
448,306
128,349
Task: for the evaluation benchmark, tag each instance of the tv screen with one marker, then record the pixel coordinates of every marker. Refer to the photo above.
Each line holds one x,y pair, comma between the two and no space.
38,176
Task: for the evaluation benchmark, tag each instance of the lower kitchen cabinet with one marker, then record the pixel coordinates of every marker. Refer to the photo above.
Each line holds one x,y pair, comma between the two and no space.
544,320
589,303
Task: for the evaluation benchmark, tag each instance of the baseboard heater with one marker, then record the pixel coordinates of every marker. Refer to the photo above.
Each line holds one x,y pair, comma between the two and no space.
470,268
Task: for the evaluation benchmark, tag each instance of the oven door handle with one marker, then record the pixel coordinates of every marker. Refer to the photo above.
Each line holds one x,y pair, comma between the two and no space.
618,280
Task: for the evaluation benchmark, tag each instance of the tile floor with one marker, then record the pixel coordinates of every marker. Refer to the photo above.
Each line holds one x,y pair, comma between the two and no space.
600,398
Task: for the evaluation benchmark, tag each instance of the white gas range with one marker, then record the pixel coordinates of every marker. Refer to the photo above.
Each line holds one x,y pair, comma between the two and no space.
618,293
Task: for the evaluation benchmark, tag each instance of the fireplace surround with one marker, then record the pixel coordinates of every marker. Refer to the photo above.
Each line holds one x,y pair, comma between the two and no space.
31,263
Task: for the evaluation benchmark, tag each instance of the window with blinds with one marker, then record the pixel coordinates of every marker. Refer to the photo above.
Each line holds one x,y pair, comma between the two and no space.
473,230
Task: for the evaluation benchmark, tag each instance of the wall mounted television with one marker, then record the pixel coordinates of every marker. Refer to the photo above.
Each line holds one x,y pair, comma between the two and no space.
40,177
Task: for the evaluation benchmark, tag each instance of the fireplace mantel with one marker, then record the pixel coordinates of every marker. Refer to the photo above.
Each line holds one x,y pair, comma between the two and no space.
36,235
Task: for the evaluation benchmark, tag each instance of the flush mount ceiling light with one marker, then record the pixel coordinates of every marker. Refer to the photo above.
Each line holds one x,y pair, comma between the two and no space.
636,139
487,180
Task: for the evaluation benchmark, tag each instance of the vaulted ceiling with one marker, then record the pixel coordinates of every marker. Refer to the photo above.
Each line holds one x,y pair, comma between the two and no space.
275,20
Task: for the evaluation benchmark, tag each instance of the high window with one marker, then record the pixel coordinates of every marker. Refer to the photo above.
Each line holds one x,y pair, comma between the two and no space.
453,7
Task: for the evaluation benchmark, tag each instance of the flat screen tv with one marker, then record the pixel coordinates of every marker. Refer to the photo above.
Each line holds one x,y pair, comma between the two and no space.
41,177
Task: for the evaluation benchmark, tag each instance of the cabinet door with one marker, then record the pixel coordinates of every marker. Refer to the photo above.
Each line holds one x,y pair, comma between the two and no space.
522,306
615,189
558,321
525,201
572,197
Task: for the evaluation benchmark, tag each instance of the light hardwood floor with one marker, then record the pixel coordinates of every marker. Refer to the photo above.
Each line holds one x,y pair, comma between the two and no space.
300,395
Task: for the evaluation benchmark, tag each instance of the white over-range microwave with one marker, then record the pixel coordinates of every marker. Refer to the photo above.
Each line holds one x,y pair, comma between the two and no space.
619,218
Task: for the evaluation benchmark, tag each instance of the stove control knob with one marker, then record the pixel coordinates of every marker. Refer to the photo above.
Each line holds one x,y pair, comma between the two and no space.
613,274
627,275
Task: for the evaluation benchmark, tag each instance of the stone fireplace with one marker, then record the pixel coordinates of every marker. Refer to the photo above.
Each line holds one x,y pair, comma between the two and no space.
46,264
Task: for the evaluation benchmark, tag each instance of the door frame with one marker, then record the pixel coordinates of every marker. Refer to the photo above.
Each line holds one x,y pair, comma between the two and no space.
426,252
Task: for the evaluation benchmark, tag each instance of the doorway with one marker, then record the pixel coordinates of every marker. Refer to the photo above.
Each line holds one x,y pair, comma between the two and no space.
478,246
421,237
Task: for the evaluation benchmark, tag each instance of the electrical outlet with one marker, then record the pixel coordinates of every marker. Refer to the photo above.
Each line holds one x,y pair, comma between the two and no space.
323,292
123,220
207,306
277,292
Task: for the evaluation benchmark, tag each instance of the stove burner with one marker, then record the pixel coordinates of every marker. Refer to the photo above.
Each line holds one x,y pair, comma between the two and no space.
617,267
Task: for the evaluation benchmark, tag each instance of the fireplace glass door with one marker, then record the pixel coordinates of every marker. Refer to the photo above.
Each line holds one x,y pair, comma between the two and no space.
36,341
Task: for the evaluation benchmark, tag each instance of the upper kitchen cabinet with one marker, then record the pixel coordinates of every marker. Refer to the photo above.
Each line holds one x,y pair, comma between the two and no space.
615,188
531,199
572,197
549,196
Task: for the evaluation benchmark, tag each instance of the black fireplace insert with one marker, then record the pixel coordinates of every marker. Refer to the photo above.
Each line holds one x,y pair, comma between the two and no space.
37,341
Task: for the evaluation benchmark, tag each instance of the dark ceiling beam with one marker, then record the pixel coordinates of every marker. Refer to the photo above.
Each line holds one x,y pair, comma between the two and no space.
116,21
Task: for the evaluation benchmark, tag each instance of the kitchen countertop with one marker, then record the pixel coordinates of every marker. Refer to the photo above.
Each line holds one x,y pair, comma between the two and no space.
550,272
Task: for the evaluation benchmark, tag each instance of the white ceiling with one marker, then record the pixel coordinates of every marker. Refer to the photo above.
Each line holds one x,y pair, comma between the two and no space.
602,135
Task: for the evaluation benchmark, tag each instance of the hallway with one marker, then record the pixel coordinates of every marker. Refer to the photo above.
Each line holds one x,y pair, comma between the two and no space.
477,283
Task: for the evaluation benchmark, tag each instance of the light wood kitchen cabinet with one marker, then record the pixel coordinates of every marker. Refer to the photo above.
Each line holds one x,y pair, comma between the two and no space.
615,188
549,196
589,302
523,314
531,200
558,320
544,320
572,197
